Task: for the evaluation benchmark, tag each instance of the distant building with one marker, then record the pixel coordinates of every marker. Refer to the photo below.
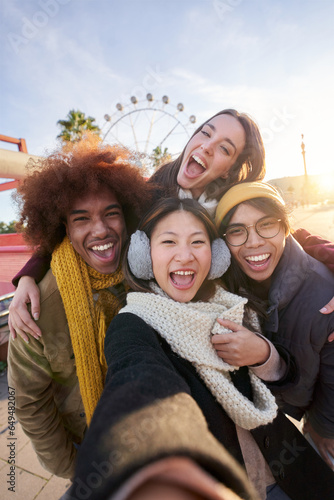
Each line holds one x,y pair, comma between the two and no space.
298,192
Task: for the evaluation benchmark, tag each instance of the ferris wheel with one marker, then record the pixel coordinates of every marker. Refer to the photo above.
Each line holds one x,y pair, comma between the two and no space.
149,127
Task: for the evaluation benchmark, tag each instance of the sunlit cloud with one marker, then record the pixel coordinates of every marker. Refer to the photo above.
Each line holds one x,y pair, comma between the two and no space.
269,59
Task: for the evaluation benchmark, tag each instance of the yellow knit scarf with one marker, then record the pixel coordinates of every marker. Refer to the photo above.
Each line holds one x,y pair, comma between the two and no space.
87,321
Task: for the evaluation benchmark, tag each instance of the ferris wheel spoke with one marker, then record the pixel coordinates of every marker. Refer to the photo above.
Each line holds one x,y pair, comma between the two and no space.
169,133
141,124
117,139
134,133
136,114
152,122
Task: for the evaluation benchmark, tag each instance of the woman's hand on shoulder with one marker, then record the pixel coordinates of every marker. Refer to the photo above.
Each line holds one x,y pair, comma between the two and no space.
324,445
20,321
328,308
241,347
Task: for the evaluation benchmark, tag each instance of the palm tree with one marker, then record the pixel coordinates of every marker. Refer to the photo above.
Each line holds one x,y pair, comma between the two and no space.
159,157
76,124
8,227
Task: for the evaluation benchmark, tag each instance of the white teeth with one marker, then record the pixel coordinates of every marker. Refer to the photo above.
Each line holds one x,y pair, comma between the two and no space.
258,258
183,273
199,161
100,248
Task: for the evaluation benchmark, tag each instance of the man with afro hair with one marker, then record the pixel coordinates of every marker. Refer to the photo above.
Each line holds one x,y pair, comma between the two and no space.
79,205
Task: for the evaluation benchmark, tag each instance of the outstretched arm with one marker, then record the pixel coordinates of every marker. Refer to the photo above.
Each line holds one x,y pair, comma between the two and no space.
317,247
36,267
20,321
145,413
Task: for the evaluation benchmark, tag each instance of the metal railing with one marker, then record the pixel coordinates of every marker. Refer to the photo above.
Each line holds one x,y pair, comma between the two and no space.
5,301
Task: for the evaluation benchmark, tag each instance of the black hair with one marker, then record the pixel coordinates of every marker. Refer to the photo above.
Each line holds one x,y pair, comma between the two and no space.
159,211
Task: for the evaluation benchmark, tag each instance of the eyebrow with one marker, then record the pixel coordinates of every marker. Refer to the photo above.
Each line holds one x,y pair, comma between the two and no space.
225,139
192,234
81,211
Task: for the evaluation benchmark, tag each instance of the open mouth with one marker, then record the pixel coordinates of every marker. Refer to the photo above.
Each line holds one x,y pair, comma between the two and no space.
195,166
258,261
104,251
182,279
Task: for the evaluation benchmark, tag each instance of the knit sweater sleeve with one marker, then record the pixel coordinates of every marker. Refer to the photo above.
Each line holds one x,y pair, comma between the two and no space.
317,247
145,413
274,368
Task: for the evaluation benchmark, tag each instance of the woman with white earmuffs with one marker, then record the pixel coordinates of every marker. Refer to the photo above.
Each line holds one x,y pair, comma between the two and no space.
169,397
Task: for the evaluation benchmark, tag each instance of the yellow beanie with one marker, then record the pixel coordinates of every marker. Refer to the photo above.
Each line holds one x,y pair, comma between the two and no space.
243,192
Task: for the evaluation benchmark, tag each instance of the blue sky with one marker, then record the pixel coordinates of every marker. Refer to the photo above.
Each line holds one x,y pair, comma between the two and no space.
270,58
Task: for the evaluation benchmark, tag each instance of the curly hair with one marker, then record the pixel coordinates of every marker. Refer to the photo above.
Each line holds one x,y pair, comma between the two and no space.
48,192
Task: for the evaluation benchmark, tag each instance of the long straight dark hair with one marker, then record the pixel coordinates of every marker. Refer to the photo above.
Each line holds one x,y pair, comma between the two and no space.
249,166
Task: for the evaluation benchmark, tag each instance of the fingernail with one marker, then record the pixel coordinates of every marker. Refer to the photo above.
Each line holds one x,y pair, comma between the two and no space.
26,341
323,310
36,316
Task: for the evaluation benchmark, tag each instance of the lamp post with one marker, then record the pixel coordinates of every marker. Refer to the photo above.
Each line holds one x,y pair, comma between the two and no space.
303,153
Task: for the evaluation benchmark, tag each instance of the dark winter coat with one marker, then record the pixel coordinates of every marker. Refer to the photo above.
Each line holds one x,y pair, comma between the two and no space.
148,410
300,287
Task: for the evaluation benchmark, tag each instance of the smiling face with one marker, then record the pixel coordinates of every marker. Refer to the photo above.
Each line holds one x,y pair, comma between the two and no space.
258,257
181,255
211,153
96,227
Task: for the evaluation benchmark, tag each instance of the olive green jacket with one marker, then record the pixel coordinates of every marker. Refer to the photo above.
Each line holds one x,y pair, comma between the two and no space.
47,396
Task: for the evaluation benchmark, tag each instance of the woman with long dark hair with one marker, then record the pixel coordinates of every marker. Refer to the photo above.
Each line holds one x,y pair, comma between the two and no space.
225,149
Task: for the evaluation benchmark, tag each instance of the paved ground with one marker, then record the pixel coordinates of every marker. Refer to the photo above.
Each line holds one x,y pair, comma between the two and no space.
318,219
31,481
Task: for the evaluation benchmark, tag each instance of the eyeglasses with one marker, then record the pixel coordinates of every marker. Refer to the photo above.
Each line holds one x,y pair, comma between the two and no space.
267,227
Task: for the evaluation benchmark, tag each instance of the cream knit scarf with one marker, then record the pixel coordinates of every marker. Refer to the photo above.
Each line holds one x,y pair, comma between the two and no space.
187,327
209,204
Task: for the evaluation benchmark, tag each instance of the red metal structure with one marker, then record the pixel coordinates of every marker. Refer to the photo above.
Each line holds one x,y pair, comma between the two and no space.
22,146
14,253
